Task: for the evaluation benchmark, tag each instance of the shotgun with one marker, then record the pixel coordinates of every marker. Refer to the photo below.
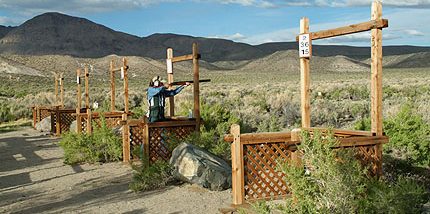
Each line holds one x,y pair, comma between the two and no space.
191,81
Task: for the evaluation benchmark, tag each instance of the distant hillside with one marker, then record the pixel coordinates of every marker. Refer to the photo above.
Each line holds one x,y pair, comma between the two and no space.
287,61
5,30
59,34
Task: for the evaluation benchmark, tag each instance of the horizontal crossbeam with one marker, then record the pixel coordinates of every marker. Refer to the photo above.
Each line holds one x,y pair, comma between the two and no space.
356,28
184,58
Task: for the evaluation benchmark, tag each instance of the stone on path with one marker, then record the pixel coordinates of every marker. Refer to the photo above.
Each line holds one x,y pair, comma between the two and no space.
195,165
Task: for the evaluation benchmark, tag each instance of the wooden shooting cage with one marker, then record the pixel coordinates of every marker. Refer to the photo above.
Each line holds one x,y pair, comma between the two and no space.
255,156
153,140
62,118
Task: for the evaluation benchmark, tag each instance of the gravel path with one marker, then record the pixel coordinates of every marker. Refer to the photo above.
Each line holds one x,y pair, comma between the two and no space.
33,179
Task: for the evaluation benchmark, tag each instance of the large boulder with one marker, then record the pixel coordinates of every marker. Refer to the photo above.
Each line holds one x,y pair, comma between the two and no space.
44,125
195,165
73,127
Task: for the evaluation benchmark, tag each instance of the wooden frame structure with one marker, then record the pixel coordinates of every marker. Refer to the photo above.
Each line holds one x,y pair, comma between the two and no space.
154,138
85,117
42,112
254,156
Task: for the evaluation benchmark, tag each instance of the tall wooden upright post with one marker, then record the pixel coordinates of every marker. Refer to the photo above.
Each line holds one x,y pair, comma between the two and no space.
170,80
78,102
237,166
112,87
376,80
56,88
125,131
62,90
124,69
87,95
196,86
305,80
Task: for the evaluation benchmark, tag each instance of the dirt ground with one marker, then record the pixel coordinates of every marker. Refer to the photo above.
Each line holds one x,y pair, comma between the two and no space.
34,179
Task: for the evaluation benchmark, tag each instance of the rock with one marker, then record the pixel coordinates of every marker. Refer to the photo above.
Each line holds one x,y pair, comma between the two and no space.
44,125
73,126
194,165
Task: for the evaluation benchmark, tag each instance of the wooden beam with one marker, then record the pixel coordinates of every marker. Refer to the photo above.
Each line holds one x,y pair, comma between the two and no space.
362,141
305,80
196,86
89,121
350,29
125,68
125,140
172,123
376,81
238,191
78,93
62,90
170,81
340,131
261,137
57,121
112,86
56,88
182,58
87,95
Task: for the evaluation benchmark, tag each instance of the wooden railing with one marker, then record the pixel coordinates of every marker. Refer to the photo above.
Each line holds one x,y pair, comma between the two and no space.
154,140
255,158
40,113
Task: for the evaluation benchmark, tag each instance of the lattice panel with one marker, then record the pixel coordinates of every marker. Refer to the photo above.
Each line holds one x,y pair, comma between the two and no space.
137,136
261,178
368,157
44,113
66,120
83,124
159,139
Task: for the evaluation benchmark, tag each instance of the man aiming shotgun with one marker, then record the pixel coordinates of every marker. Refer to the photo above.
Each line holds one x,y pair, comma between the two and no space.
157,94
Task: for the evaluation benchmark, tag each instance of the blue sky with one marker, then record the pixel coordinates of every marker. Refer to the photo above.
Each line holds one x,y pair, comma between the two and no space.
249,21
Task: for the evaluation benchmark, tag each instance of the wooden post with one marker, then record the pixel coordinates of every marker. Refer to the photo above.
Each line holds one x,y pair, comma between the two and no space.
78,102
79,98
170,80
146,141
295,156
56,88
238,180
62,90
57,121
112,87
125,68
34,116
89,121
376,82
305,80
87,96
196,86
125,140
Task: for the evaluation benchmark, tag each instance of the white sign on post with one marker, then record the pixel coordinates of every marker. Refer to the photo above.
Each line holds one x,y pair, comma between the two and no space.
305,46
169,66
122,73
78,80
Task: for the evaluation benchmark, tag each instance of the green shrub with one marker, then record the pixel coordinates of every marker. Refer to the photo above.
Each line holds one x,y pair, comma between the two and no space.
333,181
217,121
145,178
102,146
409,135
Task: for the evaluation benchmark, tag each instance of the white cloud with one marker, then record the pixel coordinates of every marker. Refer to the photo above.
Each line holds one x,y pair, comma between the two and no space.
236,37
414,32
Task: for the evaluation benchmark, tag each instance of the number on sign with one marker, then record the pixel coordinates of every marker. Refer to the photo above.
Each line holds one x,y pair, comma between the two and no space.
304,46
